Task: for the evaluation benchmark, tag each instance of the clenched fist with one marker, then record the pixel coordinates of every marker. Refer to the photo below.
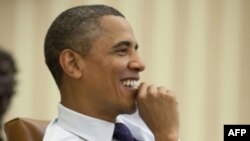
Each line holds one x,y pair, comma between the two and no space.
158,107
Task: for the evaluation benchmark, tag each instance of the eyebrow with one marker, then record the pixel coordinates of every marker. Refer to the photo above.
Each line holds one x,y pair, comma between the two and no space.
126,43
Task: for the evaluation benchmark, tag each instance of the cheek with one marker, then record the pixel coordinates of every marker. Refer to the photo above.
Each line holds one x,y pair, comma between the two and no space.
119,65
107,73
113,67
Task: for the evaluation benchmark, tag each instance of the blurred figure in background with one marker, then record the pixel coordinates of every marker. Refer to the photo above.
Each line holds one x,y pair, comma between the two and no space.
7,83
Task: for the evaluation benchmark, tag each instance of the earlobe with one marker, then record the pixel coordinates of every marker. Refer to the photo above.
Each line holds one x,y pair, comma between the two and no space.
70,63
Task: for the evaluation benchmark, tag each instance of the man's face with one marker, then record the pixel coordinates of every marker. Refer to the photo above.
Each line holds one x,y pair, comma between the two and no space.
111,69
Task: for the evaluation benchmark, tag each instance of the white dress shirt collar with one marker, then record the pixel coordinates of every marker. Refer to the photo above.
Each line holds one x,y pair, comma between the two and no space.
85,127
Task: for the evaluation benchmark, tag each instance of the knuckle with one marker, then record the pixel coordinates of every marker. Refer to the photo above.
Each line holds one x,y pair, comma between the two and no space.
152,90
169,95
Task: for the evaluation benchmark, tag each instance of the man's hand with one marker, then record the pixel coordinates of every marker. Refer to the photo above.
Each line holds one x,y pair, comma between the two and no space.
158,107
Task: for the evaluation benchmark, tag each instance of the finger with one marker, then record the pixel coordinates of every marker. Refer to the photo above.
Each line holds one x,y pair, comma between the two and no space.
152,89
142,89
162,89
167,93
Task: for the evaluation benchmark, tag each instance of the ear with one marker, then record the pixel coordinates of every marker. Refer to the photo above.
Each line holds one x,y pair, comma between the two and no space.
71,63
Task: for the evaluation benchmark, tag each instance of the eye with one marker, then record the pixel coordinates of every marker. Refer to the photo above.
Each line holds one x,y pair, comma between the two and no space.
122,51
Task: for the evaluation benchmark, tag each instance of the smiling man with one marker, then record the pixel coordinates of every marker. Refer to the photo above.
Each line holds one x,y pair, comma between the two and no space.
91,52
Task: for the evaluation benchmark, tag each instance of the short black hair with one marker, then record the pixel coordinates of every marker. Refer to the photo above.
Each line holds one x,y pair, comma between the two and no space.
75,29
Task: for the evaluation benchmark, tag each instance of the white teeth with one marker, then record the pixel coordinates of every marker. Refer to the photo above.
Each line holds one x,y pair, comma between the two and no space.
130,83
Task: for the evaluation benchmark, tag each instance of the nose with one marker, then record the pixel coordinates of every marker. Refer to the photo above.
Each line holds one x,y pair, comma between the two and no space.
136,63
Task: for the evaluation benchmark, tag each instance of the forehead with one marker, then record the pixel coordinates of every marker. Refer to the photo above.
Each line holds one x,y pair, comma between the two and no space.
117,28
111,21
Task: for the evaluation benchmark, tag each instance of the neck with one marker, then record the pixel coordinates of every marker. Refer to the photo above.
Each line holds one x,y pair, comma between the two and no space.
92,111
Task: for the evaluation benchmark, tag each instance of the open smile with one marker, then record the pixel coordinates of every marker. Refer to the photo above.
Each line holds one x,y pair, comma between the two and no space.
130,83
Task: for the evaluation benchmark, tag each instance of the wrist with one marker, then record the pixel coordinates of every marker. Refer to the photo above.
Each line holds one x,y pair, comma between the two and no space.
166,136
